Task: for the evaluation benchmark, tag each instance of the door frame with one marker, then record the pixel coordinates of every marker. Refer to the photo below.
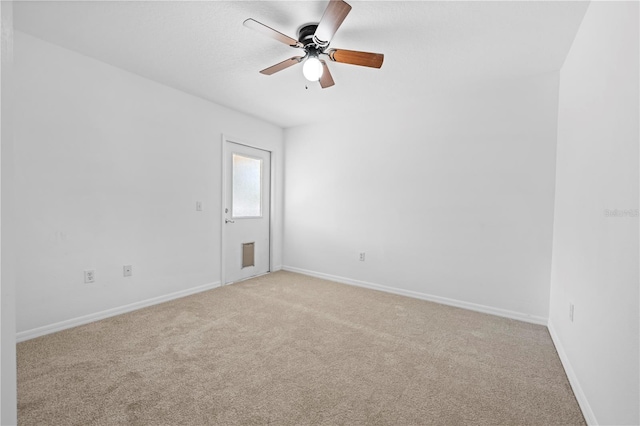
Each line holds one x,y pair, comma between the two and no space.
223,232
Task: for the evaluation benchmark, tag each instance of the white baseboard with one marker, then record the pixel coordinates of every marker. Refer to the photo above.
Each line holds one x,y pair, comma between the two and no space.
423,296
74,322
587,412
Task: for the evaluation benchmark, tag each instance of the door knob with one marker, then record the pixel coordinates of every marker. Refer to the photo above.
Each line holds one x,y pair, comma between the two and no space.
229,221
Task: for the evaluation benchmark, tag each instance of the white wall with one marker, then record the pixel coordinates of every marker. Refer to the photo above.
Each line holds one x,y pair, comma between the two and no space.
449,196
595,257
8,406
109,168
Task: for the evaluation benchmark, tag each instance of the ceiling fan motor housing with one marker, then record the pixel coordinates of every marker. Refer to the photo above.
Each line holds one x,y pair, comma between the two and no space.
310,44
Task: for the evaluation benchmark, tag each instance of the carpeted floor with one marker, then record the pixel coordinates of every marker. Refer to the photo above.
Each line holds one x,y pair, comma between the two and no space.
290,349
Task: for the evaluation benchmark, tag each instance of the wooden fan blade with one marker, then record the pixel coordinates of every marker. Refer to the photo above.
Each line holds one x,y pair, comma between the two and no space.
331,20
270,32
282,65
326,80
353,57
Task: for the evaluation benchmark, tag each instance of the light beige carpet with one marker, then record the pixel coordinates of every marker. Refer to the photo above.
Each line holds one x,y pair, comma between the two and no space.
289,349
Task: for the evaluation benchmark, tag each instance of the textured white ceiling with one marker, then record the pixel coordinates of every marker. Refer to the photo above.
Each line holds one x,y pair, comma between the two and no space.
202,48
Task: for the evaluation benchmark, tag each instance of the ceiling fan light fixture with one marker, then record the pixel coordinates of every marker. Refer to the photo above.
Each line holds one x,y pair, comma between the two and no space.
312,68
314,39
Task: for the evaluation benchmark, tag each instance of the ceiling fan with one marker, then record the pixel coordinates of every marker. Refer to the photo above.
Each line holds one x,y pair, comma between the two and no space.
314,39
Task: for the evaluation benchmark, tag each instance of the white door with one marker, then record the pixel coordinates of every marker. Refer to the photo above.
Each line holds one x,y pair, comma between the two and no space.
246,211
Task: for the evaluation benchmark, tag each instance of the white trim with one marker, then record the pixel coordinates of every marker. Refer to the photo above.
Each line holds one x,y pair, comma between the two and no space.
587,412
74,322
424,296
223,202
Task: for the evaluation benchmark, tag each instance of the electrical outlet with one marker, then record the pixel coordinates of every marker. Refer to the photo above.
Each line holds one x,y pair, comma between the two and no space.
89,276
571,311
198,206
127,270
362,257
